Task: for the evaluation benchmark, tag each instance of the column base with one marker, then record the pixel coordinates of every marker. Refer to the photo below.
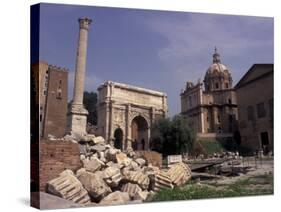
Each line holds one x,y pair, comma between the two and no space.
77,120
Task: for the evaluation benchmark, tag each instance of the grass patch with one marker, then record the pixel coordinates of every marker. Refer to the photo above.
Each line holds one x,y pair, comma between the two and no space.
244,187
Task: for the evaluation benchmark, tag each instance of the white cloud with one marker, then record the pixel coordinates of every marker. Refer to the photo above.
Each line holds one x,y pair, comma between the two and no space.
191,36
191,40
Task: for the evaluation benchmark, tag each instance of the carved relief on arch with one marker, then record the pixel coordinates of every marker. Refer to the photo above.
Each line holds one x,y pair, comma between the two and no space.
119,117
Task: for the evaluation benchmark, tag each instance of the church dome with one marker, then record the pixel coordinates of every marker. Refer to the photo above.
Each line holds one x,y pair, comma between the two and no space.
218,76
217,68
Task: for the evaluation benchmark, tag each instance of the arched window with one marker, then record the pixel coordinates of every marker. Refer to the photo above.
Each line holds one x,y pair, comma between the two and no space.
217,85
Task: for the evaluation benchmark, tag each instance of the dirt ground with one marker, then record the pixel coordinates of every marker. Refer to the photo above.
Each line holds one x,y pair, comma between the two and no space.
259,176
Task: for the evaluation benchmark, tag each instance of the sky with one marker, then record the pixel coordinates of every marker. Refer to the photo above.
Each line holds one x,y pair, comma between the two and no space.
159,50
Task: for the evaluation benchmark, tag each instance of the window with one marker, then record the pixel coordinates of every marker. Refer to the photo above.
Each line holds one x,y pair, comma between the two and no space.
219,119
270,104
45,92
264,139
217,85
229,101
261,112
190,101
59,94
250,113
231,118
40,117
226,85
207,118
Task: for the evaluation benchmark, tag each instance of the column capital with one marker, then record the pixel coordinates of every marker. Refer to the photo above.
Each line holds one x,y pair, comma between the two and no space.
84,23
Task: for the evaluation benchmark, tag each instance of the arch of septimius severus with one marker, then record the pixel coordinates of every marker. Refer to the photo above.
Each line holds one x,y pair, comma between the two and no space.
126,113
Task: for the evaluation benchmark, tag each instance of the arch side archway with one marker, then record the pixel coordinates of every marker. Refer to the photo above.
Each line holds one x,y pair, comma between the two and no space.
118,138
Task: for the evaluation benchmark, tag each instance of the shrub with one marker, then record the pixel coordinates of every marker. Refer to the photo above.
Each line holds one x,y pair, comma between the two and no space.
172,136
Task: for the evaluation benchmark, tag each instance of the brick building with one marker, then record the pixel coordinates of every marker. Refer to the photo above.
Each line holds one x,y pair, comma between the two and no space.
255,107
51,97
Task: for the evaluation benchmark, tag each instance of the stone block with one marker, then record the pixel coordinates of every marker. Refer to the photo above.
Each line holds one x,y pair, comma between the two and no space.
79,171
77,122
67,186
161,181
98,148
141,195
98,140
131,189
70,138
110,154
134,166
82,157
116,198
141,162
122,159
150,170
93,164
101,154
137,177
83,149
130,153
112,176
179,173
94,184
85,139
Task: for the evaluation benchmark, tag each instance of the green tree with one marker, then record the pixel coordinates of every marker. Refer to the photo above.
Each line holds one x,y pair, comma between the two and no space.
90,103
172,136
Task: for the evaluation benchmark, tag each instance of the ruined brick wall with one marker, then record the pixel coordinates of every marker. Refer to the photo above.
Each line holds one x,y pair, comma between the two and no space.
56,103
152,157
55,157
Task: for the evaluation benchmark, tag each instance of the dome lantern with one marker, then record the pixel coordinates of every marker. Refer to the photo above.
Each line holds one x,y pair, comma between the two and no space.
216,56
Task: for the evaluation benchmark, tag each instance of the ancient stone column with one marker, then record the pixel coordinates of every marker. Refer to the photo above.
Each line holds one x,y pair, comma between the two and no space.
81,61
128,128
77,116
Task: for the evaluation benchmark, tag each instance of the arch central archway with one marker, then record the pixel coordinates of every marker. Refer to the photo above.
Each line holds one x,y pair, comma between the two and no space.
118,138
139,133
